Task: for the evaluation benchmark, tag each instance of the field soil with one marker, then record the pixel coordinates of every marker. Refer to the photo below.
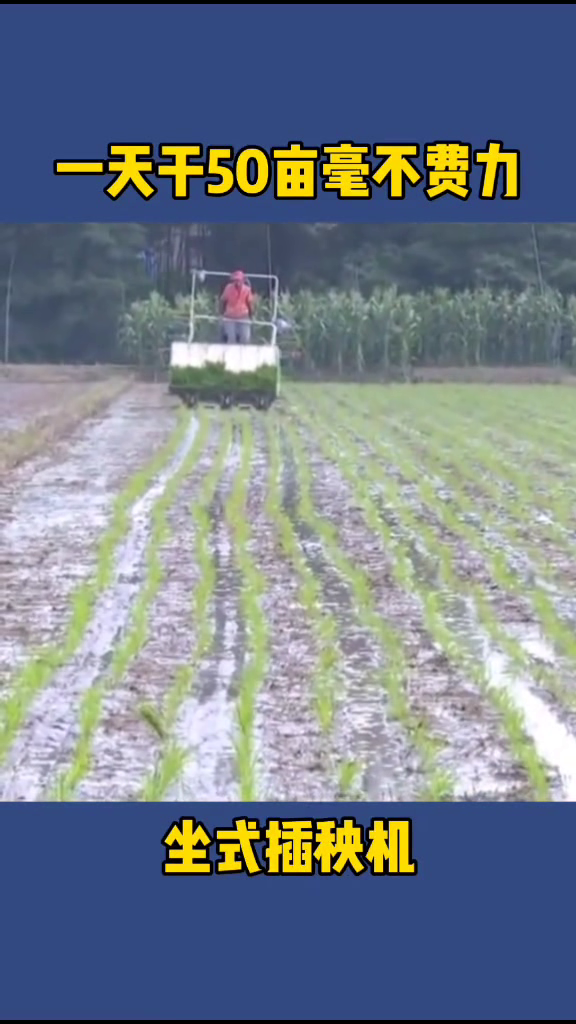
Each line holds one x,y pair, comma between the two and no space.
366,592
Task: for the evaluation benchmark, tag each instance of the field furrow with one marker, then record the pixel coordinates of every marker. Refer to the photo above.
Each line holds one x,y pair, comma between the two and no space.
205,725
469,734
371,747
55,722
154,656
294,737
55,509
364,593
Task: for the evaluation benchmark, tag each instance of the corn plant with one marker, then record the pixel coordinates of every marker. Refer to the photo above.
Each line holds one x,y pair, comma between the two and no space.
345,332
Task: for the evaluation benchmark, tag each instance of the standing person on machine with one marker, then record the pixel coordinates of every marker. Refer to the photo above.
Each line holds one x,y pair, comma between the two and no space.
237,306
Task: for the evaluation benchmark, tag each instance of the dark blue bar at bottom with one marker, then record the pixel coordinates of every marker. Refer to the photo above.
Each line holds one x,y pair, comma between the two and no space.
93,929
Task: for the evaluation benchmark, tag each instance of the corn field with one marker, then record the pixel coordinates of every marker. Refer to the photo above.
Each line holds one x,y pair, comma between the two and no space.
346,331
342,332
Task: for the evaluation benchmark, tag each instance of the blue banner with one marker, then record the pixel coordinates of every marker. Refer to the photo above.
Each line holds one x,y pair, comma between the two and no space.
95,930
385,101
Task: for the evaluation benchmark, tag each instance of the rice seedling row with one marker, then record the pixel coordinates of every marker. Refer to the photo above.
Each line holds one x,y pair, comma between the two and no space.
362,593
453,718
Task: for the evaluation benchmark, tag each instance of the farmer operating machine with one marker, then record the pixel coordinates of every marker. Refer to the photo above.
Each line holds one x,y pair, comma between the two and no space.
212,364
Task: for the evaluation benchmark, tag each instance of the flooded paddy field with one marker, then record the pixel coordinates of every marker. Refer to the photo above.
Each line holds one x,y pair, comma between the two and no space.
365,593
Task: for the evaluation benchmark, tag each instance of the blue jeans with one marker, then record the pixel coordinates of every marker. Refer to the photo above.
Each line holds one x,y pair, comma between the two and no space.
236,331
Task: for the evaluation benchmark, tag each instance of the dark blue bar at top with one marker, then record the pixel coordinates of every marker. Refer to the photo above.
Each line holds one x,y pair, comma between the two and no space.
93,929
80,78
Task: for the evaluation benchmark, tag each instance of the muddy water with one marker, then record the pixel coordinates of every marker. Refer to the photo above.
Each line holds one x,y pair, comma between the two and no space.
206,725
365,733
294,760
294,757
492,529
555,741
472,564
46,742
473,750
514,610
53,511
476,779
554,738
125,747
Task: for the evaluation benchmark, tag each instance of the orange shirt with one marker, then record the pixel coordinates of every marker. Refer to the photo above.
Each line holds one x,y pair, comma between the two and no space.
237,300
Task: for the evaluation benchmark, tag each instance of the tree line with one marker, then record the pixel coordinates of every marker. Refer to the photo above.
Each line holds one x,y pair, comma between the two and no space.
64,287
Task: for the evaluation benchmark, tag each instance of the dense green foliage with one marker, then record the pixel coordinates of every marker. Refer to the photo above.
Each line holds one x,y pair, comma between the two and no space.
346,332
215,377
397,293
66,285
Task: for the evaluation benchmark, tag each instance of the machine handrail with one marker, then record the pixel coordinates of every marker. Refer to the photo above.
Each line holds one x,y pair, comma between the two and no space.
256,323
196,272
